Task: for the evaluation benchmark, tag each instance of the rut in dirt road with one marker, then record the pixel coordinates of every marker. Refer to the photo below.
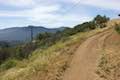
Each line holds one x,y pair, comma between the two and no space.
85,60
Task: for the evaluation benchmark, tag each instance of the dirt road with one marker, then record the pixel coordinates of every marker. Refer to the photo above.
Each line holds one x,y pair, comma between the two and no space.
86,58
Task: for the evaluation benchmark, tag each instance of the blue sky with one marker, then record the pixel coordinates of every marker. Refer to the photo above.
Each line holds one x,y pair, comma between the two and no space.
54,13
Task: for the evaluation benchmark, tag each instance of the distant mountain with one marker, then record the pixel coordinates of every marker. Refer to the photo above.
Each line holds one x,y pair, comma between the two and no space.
24,33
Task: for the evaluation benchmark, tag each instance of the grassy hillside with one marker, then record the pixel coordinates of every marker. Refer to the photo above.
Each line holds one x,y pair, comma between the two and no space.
47,64
49,55
109,65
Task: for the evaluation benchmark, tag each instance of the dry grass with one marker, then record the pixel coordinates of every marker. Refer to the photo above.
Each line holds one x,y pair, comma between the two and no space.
109,66
48,64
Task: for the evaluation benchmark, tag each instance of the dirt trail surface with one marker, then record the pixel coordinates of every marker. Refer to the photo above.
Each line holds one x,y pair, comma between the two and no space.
86,58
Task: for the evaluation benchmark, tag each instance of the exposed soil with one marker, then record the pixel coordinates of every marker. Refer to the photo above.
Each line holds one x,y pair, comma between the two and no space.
86,58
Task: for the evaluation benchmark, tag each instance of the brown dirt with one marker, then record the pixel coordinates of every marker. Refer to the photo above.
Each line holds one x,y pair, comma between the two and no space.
86,58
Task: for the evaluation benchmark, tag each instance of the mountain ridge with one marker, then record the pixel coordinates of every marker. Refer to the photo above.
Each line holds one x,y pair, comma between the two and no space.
23,33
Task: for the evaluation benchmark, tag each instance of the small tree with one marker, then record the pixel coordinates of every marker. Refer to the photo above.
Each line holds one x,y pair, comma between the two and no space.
101,20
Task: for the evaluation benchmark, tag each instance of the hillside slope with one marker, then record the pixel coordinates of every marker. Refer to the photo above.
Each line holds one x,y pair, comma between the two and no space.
86,59
77,58
48,64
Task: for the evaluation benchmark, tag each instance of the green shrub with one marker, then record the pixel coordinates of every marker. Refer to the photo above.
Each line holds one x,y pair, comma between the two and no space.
117,28
85,27
101,20
6,53
8,64
24,51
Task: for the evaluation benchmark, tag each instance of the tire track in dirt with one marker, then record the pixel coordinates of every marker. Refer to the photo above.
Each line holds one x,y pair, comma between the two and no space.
86,58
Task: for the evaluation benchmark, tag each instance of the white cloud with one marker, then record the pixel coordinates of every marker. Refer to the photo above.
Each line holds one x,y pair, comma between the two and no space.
36,11
48,15
18,3
46,9
71,20
47,12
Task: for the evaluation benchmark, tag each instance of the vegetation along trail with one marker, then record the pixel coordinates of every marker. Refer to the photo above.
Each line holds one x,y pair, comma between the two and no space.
86,58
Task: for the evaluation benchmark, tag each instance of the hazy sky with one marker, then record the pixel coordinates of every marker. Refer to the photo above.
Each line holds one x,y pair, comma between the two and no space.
54,13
